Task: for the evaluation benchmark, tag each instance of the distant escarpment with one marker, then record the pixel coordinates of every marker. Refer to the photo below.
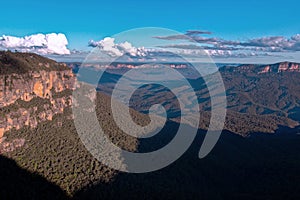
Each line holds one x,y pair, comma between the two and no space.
261,69
32,89
262,97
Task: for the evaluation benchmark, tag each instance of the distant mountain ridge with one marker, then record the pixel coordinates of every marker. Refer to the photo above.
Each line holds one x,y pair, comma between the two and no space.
285,66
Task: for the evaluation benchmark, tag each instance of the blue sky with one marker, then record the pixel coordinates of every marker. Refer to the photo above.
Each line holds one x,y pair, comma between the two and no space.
82,21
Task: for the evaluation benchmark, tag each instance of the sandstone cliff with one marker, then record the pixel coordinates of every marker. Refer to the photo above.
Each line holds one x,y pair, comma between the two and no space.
261,69
36,95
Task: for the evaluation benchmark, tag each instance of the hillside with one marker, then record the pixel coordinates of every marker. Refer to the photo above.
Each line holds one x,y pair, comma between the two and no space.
264,89
37,128
19,63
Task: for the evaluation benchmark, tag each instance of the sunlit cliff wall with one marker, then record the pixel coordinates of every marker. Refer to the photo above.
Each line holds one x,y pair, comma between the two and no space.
33,97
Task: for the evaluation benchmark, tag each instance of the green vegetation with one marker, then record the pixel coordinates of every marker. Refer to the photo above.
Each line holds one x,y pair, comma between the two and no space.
20,63
56,152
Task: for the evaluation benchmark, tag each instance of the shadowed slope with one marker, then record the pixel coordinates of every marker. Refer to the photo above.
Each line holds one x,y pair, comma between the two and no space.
18,183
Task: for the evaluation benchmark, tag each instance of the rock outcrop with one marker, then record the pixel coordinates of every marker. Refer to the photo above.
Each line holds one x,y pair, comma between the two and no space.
281,67
27,86
261,69
34,96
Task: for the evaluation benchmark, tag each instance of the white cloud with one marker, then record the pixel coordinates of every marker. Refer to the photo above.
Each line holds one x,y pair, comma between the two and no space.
109,46
38,43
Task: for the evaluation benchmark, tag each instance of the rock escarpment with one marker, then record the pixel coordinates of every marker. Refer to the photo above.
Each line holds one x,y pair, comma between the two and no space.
40,92
262,69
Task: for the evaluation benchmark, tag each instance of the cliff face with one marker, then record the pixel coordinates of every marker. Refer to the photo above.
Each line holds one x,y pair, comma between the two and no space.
261,69
281,67
35,96
34,84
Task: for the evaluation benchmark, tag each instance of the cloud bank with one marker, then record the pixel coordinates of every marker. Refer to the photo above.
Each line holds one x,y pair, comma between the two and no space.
52,43
168,52
219,47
